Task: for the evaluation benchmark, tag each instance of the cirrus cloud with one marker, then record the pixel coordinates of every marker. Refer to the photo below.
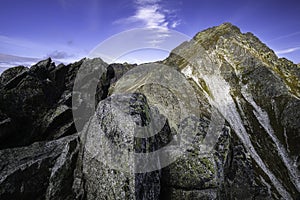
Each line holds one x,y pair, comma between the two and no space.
287,51
151,14
59,55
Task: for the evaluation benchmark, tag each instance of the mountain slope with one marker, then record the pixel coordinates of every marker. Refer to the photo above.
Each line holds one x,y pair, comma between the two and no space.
259,97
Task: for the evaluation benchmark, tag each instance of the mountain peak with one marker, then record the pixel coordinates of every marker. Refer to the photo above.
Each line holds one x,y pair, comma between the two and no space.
211,35
227,45
225,27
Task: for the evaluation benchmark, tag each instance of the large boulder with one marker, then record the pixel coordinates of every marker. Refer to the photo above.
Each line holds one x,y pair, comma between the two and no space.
109,165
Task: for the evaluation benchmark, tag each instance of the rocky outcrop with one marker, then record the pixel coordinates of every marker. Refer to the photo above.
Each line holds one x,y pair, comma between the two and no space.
257,93
37,103
217,119
42,170
104,162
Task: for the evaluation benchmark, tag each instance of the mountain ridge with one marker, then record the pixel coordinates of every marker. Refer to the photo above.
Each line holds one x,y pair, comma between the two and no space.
237,84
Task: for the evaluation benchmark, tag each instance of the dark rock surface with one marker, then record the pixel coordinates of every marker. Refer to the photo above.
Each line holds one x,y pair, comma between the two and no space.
223,89
42,170
34,101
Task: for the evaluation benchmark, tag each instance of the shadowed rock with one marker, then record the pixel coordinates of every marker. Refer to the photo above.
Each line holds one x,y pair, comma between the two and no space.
43,170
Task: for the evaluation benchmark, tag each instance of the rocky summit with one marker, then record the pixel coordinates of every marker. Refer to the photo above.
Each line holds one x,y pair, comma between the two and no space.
218,119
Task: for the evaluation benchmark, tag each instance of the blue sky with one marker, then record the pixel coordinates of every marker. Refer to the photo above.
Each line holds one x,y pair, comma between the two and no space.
68,30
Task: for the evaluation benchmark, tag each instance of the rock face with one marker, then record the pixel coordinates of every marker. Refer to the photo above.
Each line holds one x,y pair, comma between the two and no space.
218,119
36,103
118,116
258,93
42,170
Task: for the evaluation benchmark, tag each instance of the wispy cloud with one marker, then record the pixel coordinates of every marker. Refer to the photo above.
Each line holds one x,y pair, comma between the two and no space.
285,36
19,47
287,51
175,24
7,61
151,14
59,55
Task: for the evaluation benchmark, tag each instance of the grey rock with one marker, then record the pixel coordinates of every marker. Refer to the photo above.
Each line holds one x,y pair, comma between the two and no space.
43,170
37,102
108,163
11,73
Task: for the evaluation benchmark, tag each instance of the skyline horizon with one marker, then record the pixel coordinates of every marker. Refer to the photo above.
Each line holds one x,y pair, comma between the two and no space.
68,30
